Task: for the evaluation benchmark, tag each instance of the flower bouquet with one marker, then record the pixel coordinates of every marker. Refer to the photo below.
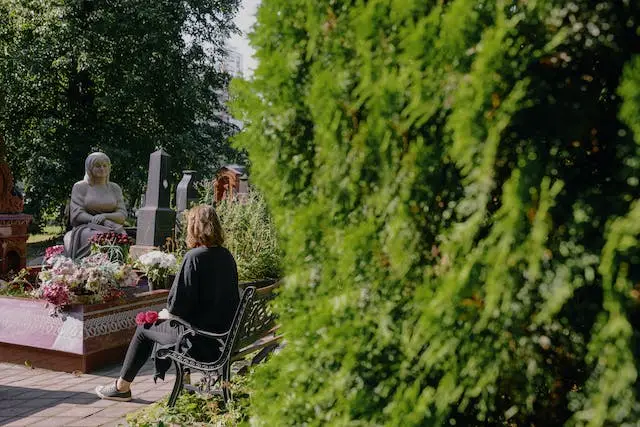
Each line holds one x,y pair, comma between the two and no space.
115,245
157,266
146,318
93,280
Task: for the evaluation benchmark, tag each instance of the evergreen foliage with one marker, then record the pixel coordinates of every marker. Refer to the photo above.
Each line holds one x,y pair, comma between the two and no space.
250,235
123,76
456,188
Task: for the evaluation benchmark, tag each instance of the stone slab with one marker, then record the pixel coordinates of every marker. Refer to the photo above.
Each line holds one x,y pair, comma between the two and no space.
86,338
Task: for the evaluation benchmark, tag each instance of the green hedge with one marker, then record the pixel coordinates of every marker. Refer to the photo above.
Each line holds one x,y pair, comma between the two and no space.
456,188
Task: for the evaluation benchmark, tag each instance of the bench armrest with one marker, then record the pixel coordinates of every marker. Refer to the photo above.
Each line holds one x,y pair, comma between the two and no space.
193,331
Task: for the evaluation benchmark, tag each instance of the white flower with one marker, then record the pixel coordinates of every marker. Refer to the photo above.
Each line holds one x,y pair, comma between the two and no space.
52,260
63,266
158,259
157,265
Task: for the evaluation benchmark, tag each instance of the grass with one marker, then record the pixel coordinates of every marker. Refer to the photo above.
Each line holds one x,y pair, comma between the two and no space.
37,243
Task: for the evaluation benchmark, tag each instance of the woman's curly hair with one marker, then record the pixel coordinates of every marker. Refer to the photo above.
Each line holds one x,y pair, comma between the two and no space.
203,227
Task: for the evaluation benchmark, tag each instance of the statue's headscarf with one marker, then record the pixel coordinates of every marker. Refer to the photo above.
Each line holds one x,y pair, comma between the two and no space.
91,161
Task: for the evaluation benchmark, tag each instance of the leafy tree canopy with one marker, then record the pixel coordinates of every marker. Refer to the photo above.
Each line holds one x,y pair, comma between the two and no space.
456,185
120,76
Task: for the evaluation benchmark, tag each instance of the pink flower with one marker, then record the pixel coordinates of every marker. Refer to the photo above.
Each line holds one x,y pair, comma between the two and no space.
140,319
52,251
57,294
151,316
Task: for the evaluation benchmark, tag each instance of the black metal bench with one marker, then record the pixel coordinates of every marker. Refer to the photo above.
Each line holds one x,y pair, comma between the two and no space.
253,329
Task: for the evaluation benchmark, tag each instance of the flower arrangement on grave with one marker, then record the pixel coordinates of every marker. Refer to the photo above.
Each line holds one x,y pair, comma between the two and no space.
115,245
93,279
157,266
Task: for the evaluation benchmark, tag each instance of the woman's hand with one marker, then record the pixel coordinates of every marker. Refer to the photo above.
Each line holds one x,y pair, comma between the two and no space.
164,314
98,219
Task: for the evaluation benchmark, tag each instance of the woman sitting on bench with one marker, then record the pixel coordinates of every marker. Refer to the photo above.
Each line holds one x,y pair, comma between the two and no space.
204,293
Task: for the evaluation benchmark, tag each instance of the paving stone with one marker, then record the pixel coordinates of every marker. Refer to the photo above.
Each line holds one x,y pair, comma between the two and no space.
113,372
51,394
119,411
14,411
93,420
42,397
103,403
25,421
32,394
8,403
140,388
25,383
51,411
82,411
10,372
55,421
82,397
84,401
10,379
152,396
38,403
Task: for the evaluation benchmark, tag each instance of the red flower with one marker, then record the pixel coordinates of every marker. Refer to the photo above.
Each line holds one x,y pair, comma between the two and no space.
140,318
146,318
151,316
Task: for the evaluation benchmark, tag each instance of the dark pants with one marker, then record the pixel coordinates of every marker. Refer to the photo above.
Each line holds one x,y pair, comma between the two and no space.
141,346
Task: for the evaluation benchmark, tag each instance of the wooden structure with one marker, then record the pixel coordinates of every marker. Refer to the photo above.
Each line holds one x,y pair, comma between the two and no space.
252,330
13,223
231,181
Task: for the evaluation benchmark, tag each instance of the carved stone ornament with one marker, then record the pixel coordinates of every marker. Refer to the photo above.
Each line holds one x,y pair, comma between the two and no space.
10,201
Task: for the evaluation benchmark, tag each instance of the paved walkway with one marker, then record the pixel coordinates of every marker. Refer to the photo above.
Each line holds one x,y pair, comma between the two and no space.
39,397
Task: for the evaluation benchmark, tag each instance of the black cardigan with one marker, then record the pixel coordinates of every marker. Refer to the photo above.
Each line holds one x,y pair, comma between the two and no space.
205,290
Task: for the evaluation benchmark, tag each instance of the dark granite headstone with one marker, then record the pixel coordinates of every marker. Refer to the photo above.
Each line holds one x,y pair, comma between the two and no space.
156,219
186,193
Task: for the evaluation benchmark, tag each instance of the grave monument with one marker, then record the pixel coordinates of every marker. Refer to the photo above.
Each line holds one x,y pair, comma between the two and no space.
230,183
13,223
186,193
156,219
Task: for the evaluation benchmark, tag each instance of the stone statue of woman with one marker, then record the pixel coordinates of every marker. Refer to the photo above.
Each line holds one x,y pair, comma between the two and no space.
96,206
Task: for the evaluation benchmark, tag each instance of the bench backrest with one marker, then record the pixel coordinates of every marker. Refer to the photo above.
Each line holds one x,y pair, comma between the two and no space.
236,323
259,319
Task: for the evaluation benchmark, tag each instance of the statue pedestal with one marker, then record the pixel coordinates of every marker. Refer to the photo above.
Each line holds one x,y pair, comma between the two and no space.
13,242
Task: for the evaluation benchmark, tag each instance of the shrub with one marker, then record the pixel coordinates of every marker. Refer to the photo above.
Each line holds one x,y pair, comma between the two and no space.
455,184
195,410
251,237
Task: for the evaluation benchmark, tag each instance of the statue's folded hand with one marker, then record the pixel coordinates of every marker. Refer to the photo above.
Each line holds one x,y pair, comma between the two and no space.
98,219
